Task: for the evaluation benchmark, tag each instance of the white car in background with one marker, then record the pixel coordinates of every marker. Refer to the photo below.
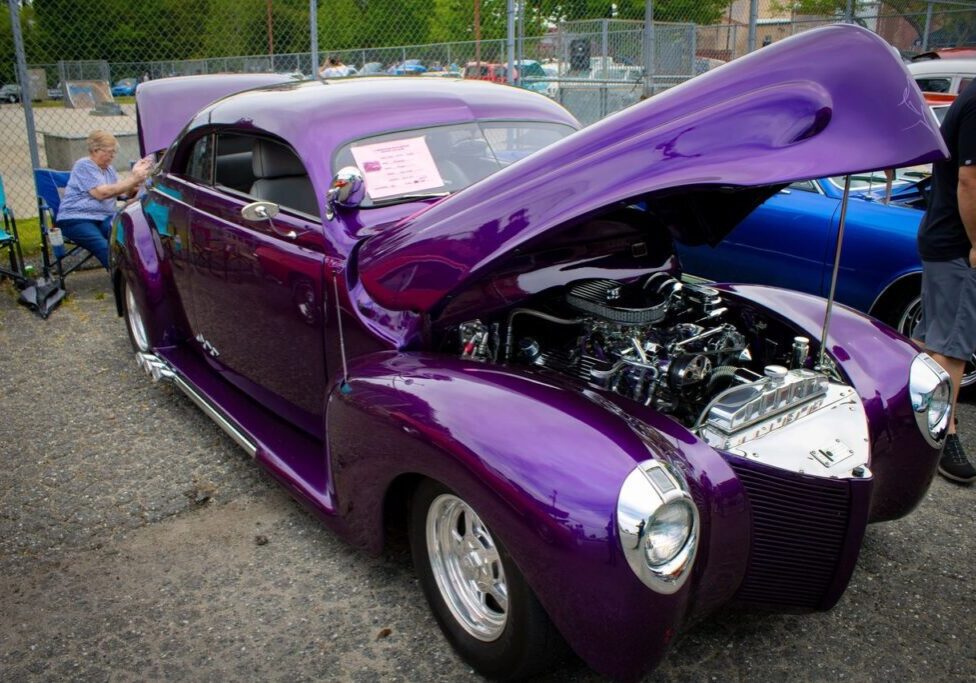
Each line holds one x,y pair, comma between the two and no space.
949,76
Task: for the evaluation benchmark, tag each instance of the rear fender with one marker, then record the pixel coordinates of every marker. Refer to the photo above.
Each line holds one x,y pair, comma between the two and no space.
543,465
136,257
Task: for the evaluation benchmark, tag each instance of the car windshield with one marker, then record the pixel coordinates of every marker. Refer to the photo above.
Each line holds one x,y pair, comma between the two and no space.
875,180
430,162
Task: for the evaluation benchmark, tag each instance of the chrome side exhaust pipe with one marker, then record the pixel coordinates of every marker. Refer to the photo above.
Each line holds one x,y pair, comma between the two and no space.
155,367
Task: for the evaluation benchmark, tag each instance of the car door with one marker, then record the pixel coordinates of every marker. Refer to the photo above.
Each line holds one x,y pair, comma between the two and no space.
167,206
258,284
879,247
781,243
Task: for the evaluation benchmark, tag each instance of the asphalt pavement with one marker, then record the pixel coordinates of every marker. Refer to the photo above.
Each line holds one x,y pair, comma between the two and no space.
137,542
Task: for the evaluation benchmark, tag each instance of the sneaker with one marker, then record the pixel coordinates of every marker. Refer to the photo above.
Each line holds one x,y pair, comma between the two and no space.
953,464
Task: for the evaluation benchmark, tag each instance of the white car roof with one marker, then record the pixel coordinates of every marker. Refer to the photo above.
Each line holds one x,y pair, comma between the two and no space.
941,67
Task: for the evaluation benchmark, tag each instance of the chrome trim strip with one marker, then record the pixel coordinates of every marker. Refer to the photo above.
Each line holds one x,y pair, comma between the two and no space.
646,491
160,369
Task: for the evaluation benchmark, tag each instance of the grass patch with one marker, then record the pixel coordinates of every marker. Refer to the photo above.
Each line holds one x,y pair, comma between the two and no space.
59,104
29,232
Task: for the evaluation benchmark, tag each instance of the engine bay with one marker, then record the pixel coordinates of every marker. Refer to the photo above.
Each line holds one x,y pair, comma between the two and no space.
727,372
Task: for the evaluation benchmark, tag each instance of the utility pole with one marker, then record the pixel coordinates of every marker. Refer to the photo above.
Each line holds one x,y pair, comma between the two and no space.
477,33
270,34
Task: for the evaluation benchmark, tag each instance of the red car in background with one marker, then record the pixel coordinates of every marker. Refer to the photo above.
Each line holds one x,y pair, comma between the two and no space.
487,71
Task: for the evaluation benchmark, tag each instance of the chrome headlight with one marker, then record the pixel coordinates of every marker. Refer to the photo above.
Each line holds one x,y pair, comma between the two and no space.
658,527
931,395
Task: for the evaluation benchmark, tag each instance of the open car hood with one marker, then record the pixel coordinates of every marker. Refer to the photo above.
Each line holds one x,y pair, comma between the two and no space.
699,157
166,105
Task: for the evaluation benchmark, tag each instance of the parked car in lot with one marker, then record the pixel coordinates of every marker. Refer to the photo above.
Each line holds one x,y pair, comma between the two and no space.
880,271
10,93
949,76
435,304
125,87
408,67
486,71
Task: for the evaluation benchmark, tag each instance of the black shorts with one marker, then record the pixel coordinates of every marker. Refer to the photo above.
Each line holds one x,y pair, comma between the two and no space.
948,322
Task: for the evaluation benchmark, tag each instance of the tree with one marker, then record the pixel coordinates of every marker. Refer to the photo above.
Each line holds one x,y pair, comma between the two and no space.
695,11
949,28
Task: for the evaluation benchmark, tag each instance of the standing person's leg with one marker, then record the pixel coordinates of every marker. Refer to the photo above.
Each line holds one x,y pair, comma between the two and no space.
88,234
947,330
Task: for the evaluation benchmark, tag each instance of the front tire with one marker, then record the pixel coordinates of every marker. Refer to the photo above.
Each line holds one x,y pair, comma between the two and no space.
135,322
478,596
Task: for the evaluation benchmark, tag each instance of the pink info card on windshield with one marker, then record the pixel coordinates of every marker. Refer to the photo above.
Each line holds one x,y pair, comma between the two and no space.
397,167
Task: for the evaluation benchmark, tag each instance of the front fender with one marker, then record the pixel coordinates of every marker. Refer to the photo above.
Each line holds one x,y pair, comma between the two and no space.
543,465
135,256
877,361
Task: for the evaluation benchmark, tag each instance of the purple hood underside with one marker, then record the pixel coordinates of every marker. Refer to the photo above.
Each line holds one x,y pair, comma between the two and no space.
701,156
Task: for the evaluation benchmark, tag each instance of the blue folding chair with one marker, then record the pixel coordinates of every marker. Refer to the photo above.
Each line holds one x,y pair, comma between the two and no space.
50,186
10,241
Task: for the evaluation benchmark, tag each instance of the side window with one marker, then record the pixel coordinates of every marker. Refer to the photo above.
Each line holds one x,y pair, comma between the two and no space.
934,84
803,186
199,165
964,83
233,165
280,177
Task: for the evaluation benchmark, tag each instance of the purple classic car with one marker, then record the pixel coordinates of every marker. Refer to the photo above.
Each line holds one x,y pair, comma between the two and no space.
438,306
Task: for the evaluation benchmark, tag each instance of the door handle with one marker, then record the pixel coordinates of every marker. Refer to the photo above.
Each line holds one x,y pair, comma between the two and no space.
288,233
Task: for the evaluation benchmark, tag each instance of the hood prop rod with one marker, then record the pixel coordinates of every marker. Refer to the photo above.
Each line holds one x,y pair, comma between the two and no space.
833,275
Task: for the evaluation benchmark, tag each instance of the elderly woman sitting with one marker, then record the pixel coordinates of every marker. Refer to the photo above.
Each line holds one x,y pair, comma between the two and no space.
88,204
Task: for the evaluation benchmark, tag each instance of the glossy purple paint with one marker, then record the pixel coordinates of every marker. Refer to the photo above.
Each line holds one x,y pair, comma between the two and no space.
876,359
164,106
547,484
793,110
541,458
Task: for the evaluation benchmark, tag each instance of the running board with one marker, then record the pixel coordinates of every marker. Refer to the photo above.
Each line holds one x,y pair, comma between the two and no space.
160,370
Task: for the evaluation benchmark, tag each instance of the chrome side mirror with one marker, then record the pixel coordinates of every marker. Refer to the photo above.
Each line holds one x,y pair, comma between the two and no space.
348,189
265,211
259,211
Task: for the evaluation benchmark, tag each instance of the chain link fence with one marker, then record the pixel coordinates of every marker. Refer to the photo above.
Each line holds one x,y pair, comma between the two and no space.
84,60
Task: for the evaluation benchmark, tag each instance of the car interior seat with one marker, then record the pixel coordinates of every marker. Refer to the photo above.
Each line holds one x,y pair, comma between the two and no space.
234,162
280,177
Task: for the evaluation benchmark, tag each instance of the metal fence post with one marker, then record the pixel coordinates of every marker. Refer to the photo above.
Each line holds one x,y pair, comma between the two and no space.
313,23
510,40
849,12
603,47
753,21
649,48
25,91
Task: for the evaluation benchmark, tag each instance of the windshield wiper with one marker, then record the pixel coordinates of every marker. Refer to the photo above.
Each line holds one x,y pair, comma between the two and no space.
410,197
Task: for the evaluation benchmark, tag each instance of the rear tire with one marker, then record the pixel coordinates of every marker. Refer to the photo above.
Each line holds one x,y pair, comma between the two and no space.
479,597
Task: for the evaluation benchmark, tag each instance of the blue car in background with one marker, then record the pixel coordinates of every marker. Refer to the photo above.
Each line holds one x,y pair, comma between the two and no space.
789,242
125,87
408,67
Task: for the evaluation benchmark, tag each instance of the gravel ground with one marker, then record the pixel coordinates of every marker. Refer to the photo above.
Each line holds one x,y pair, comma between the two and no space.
138,542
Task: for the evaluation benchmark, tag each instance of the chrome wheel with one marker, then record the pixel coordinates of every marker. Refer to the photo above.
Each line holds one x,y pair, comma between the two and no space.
467,567
910,317
133,316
